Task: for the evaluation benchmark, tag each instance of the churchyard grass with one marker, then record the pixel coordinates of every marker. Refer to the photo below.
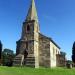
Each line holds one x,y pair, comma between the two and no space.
32,71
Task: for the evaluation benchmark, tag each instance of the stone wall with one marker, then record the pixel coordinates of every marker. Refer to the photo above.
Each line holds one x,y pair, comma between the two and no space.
29,43
54,50
61,60
44,51
36,54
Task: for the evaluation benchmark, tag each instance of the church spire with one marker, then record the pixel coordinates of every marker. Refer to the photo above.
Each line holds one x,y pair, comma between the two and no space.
32,13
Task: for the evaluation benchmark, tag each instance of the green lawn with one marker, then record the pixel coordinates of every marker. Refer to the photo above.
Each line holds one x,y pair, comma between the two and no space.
32,71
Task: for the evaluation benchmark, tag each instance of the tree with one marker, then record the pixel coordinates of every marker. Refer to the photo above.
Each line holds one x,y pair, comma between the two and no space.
7,57
0,49
73,53
0,52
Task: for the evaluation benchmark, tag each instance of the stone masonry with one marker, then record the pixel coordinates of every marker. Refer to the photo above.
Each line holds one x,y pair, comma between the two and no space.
35,49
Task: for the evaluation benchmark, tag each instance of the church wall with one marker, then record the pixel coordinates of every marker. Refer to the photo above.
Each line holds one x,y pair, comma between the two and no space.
54,50
44,51
28,35
25,45
36,55
20,47
36,44
30,49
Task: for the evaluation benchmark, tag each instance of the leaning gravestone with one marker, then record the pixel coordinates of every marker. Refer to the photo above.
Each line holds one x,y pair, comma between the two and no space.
69,66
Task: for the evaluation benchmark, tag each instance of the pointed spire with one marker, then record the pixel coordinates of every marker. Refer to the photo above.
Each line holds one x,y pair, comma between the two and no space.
32,13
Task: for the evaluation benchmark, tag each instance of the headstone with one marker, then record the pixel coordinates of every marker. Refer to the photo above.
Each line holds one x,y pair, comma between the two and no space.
69,66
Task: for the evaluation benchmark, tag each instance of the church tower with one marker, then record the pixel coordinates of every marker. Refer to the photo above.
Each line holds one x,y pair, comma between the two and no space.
28,45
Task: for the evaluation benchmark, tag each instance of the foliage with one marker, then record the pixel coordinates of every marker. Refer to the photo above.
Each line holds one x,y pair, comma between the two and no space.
32,71
73,52
0,49
7,57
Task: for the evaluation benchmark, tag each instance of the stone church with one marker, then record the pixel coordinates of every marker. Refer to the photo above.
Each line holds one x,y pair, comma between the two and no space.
35,49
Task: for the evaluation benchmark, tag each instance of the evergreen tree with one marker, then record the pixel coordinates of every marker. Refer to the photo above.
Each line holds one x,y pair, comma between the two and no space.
0,49
8,56
73,53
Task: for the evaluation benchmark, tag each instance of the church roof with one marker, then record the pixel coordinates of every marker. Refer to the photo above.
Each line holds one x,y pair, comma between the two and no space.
50,40
32,13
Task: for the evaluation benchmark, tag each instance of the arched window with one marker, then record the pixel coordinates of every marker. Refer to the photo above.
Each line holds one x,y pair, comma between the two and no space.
28,28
